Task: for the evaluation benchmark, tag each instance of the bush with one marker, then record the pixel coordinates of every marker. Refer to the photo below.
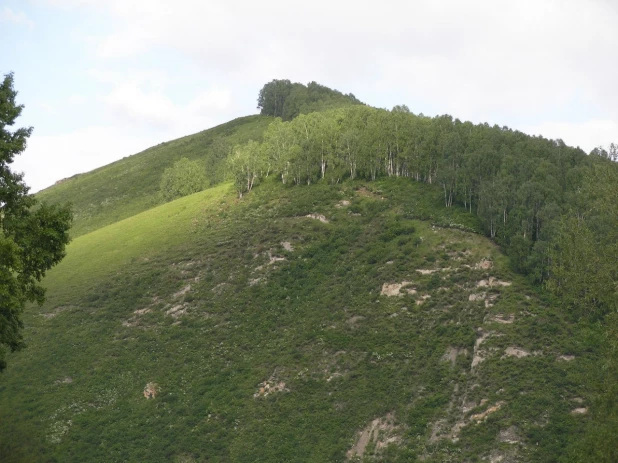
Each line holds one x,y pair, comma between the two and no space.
183,178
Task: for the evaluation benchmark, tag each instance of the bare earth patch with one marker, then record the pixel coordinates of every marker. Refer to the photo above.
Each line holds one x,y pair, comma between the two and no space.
394,289
484,264
319,217
452,353
151,390
478,354
509,435
270,387
342,203
491,282
183,291
579,411
516,352
483,416
177,310
567,358
287,246
504,319
381,432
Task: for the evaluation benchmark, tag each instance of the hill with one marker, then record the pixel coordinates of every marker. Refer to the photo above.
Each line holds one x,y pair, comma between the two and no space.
131,185
354,321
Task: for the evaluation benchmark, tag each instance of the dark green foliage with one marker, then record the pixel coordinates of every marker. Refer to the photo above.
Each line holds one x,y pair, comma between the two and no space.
183,178
32,238
284,99
518,185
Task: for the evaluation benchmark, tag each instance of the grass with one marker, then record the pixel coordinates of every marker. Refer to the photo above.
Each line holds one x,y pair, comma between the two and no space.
204,297
129,186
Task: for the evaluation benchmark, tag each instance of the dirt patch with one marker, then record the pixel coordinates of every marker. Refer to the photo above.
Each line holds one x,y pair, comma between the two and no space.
151,390
177,311
352,321
452,353
484,264
270,387
319,217
424,297
254,281
477,297
342,203
492,282
381,432
424,271
56,311
287,246
66,380
567,358
483,416
516,352
183,291
478,355
579,411
394,289
503,319
509,435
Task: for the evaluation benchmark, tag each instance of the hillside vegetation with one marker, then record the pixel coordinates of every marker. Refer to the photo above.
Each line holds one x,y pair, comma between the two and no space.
131,185
361,320
357,284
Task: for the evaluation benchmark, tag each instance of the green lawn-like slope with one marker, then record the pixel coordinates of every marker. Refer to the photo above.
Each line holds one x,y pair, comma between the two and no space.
297,324
131,185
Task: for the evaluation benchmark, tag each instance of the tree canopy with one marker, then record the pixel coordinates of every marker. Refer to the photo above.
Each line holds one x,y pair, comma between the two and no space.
185,177
284,99
32,236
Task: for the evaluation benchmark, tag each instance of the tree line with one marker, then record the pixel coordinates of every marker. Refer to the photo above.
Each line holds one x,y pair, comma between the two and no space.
518,185
284,99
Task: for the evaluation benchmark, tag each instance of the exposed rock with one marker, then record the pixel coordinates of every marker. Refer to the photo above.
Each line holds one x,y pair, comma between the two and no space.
151,390
319,217
177,311
483,416
452,353
66,380
287,246
342,203
579,411
477,297
270,387
491,282
394,289
478,354
183,291
509,435
567,358
484,264
504,319
516,352
381,431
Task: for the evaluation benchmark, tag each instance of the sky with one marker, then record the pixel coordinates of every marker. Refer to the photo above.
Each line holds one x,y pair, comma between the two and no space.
105,79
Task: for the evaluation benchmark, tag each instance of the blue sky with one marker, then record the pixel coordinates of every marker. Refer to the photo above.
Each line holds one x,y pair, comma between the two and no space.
101,80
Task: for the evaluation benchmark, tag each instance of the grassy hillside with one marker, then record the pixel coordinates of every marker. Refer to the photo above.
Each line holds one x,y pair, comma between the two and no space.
130,185
359,322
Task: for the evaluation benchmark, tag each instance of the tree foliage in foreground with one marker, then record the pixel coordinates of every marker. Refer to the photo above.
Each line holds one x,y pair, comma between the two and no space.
183,178
32,236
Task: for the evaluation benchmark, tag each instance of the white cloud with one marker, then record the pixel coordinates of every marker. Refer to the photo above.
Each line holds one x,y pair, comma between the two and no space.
140,97
51,158
544,67
587,135
8,15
